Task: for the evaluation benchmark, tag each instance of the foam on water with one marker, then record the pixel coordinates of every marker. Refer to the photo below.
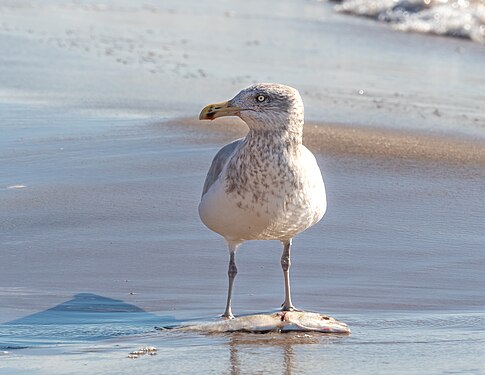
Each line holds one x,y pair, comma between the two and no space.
457,18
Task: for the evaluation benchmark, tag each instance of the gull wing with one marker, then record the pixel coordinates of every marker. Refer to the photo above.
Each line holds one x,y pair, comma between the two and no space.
218,163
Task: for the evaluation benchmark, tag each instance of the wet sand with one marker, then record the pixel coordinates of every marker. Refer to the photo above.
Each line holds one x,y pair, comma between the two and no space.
371,142
101,241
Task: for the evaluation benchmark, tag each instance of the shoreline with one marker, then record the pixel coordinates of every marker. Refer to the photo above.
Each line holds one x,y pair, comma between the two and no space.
348,140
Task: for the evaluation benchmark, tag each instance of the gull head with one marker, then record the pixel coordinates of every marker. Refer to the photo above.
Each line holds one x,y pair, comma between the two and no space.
263,107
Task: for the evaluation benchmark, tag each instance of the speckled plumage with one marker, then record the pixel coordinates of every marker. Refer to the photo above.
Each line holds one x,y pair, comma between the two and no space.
266,186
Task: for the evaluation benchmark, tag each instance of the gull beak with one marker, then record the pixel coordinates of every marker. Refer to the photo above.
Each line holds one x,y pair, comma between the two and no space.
216,110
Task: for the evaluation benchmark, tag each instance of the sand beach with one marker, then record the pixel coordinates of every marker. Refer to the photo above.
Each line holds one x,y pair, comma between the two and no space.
103,161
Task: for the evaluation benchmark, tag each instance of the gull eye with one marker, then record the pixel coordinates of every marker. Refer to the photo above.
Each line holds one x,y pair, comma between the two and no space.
260,98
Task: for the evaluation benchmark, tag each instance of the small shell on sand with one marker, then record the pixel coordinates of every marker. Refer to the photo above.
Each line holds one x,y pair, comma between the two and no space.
142,351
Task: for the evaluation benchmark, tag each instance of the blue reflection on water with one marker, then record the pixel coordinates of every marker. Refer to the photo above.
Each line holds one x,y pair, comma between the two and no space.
86,317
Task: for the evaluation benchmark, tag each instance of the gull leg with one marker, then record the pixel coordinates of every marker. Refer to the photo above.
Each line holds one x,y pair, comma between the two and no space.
285,265
231,272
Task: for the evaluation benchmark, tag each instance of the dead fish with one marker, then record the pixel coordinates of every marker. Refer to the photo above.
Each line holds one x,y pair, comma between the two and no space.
284,321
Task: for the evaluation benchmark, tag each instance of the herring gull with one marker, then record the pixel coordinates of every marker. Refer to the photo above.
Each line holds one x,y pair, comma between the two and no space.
267,185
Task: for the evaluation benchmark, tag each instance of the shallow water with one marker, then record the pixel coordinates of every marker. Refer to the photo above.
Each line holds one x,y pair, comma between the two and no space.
388,344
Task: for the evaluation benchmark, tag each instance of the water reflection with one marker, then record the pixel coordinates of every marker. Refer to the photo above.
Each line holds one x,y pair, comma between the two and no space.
85,317
85,308
272,352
